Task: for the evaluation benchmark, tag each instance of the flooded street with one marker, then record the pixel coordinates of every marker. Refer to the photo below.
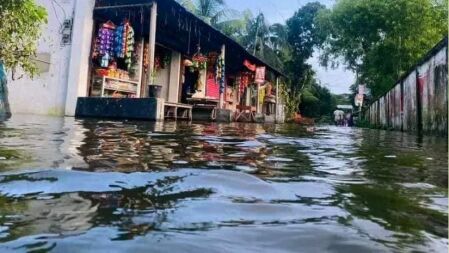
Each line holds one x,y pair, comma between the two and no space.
71,185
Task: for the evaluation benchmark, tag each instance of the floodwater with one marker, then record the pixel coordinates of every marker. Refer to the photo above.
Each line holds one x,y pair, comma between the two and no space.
71,185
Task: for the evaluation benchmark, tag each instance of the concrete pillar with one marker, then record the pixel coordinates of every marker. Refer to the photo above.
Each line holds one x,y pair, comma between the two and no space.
277,100
222,94
80,54
152,45
257,99
175,75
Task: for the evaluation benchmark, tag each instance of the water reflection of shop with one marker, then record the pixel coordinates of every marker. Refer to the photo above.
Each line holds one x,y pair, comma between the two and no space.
118,146
133,146
151,146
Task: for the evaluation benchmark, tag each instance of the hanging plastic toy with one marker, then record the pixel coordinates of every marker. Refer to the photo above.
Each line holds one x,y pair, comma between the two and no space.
105,60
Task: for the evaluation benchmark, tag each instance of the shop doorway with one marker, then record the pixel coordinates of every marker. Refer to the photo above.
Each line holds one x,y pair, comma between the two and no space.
119,58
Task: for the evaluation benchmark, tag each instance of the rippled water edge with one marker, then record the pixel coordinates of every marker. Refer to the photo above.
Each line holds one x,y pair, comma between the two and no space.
138,186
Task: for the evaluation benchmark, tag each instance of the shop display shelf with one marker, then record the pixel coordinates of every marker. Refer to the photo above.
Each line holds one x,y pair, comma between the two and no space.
120,90
118,79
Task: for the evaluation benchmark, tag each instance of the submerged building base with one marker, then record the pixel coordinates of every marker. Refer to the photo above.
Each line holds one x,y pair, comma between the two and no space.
120,108
224,115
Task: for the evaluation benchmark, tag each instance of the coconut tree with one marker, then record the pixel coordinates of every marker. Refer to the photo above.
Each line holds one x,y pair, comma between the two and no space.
211,11
265,41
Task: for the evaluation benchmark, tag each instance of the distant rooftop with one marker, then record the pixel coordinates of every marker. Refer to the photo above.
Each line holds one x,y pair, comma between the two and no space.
347,107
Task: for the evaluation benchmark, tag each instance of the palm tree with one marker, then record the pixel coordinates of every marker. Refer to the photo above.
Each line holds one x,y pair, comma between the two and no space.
211,11
268,42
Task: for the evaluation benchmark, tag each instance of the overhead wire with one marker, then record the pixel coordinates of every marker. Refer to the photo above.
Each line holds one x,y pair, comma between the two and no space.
60,6
56,13
277,10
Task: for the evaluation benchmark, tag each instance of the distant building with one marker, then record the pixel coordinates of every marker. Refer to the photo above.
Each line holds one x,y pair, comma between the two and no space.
345,107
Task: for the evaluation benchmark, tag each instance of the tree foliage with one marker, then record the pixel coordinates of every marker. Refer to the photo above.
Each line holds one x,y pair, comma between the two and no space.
20,29
213,12
381,39
268,42
303,35
265,41
303,38
317,101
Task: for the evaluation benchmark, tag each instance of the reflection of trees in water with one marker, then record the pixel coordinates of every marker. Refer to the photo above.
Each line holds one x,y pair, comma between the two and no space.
393,210
396,157
384,200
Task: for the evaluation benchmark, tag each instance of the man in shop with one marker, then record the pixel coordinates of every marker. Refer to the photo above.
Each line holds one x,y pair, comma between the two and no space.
191,76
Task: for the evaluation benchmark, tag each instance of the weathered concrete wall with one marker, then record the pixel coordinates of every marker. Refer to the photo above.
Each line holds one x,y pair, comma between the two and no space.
410,119
432,81
419,101
46,93
396,107
382,115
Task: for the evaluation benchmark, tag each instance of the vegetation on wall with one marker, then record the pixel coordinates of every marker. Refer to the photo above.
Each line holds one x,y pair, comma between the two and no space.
20,29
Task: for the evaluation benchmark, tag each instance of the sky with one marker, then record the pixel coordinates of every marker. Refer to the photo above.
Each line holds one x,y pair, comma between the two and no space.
278,11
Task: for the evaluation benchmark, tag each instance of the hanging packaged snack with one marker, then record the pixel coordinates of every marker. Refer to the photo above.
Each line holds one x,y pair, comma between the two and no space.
124,43
129,50
104,43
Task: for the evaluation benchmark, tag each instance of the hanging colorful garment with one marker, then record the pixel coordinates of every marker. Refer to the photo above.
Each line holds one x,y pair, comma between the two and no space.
220,73
212,88
238,88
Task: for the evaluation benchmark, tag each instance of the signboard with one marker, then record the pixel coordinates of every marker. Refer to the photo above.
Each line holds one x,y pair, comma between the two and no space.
249,65
358,100
362,89
260,75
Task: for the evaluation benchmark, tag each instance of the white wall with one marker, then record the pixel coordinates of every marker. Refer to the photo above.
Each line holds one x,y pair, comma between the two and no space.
45,94
77,83
55,92
163,78
175,76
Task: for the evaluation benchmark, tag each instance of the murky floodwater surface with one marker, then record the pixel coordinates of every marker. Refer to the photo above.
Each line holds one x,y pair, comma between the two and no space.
71,185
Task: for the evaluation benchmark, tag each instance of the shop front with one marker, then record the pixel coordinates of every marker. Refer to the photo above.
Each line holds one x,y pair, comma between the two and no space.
157,61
